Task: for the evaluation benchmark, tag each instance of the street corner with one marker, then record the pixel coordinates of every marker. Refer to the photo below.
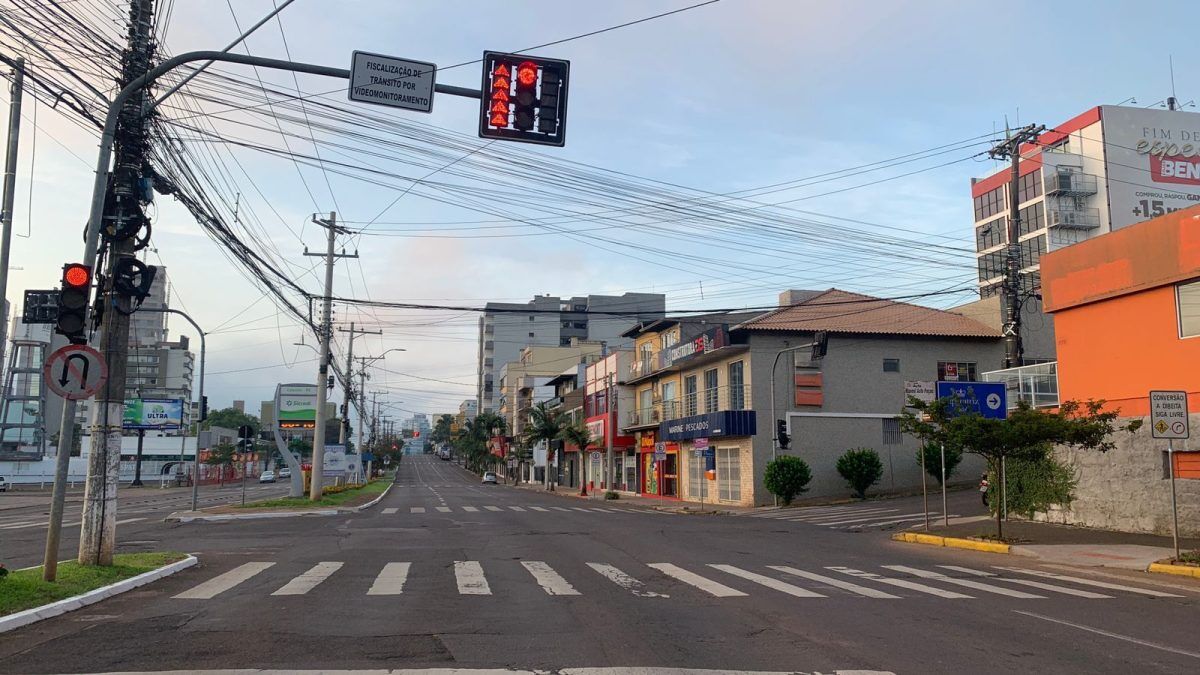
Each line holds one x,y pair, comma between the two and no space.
953,542
1168,567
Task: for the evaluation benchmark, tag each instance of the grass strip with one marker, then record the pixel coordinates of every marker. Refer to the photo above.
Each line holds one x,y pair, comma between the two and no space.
24,589
336,499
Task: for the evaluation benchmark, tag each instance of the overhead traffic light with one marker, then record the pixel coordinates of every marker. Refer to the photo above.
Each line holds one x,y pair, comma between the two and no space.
73,302
525,98
781,434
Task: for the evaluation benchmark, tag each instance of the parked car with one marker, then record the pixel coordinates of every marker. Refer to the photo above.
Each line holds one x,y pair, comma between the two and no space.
489,477
3,484
267,477
285,473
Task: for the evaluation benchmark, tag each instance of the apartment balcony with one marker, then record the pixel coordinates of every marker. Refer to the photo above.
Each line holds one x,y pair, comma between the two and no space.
716,399
643,418
1071,184
1035,384
1073,219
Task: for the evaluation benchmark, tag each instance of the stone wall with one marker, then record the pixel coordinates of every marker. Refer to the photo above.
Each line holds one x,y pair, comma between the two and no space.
1127,488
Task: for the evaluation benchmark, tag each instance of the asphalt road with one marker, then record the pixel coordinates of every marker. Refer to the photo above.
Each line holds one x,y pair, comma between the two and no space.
446,572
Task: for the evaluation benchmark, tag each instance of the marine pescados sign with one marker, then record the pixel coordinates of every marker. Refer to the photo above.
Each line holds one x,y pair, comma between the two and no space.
710,425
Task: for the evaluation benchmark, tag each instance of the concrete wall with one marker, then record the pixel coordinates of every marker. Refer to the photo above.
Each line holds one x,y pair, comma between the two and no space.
1128,489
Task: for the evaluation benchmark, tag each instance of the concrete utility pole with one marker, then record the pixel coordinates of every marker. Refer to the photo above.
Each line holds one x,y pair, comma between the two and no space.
326,332
97,537
348,385
1010,148
10,188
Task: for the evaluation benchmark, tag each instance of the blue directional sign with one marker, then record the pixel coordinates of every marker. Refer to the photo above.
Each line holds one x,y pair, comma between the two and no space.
989,399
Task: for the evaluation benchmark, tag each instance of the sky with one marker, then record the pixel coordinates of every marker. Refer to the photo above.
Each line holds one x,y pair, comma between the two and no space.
726,97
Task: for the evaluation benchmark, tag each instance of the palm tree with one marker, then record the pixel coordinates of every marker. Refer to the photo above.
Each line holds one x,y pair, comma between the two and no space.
577,435
545,425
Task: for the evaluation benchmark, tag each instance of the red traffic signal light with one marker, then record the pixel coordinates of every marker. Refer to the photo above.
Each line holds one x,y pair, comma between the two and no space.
76,275
526,98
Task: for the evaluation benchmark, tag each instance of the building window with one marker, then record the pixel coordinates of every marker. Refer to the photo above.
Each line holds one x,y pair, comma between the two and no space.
960,371
1029,186
729,474
989,204
689,395
737,386
699,483
1188,296
991,233
711,391
891,432
891,365
1032,219
566,324
579,324
563,342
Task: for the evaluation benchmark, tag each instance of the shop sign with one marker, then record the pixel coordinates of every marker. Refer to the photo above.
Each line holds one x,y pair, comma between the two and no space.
709,340
711,425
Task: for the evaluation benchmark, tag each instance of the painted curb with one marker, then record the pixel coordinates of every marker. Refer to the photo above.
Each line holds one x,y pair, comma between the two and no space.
1178,570
951,542
375,501
14,621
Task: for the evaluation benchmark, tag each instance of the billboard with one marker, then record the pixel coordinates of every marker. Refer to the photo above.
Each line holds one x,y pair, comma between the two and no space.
153,413
335,459
1152,162
296,406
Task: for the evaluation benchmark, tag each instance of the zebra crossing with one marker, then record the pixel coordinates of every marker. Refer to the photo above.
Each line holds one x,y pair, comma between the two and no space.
518,508
852,517
664,580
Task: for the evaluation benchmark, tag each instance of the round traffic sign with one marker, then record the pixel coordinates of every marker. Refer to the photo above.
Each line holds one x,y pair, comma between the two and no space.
993,401
75,372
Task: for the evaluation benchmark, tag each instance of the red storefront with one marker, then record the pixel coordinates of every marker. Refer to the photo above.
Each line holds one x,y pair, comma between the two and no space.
657,478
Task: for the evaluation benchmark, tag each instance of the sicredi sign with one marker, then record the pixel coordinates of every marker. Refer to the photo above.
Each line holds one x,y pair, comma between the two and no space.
296,406
1169,414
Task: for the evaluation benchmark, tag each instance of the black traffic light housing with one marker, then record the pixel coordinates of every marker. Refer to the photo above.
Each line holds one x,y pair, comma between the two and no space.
73,302
820,345
524,98
203,408
781,434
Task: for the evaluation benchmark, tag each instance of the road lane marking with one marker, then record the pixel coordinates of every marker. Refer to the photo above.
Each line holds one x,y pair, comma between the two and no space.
417,509
625,581
516,508
578,508
539,508
309,580
966,583
1115,636
493,508
389,511
840,520
769,582
470,509
836,583
560,508
1031,583
443,509
469,576
1089,582
550,581
881,523
391,579
223,582
901,583
692,579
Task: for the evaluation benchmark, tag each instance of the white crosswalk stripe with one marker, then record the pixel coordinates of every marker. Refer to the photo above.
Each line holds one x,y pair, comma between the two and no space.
1089,582
836,583
515,508
389,511
933,515
866,514
1030,583
223,582
692,579
625,581
901,583
417,509
391,579
965,583
310,579
443,509
551,581
769,582
539,508
470,509
469,576
493,508
847,516
560,508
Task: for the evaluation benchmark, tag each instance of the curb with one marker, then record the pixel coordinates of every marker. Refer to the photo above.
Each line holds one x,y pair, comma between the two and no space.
181,517
373,502
1178,570
952,542
14,621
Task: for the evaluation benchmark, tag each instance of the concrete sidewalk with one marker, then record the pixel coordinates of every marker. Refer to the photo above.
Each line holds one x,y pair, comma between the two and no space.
671,505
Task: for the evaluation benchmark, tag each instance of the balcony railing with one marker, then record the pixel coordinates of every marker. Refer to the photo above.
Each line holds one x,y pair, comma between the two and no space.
716,399
1035,384
1075,219
643,366
1072,184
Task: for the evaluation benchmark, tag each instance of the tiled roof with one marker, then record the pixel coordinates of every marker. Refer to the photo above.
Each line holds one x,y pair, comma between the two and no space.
839,311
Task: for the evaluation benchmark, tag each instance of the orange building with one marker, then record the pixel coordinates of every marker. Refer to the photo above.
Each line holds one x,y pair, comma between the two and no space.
1126,309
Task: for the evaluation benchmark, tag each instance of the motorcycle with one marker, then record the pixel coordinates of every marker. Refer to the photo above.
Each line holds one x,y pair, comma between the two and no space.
983,489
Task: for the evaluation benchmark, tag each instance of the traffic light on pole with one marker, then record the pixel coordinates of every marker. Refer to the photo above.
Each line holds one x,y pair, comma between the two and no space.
525,98
73,302
781,434
523,112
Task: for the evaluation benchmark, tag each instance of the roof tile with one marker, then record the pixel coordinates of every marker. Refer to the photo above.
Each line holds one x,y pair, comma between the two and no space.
838,311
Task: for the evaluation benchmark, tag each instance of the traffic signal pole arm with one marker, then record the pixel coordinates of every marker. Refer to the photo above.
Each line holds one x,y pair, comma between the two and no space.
774,367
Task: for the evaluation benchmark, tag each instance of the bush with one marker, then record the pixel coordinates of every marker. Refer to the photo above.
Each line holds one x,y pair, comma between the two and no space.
611,495
933,460
786,477
862,468
1033,485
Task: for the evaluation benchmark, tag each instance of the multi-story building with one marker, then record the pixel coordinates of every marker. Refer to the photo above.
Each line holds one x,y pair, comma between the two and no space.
1103,170
605,400
148,328
506,328
568,403
532,362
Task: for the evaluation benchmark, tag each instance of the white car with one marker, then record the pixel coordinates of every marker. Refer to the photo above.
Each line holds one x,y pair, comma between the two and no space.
267,477
3,484
489,477
285,473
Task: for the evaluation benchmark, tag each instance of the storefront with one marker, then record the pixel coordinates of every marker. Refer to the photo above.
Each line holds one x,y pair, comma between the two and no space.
715,453
658,477
624,457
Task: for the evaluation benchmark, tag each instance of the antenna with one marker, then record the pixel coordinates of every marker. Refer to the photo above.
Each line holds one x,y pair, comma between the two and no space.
1171,100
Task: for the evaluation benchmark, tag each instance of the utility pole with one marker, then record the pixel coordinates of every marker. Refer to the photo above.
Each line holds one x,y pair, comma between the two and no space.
10,188
348,385
325,332
1010,148
97,537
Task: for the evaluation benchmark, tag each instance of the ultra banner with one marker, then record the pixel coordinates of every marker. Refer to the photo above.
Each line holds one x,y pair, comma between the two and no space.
152,413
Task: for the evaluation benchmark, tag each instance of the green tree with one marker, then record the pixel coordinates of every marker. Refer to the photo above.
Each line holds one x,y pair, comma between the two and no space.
1033,484
545,426
786,477
221,456
231,418
862,468
1025,435
933,460
577,435
441,432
